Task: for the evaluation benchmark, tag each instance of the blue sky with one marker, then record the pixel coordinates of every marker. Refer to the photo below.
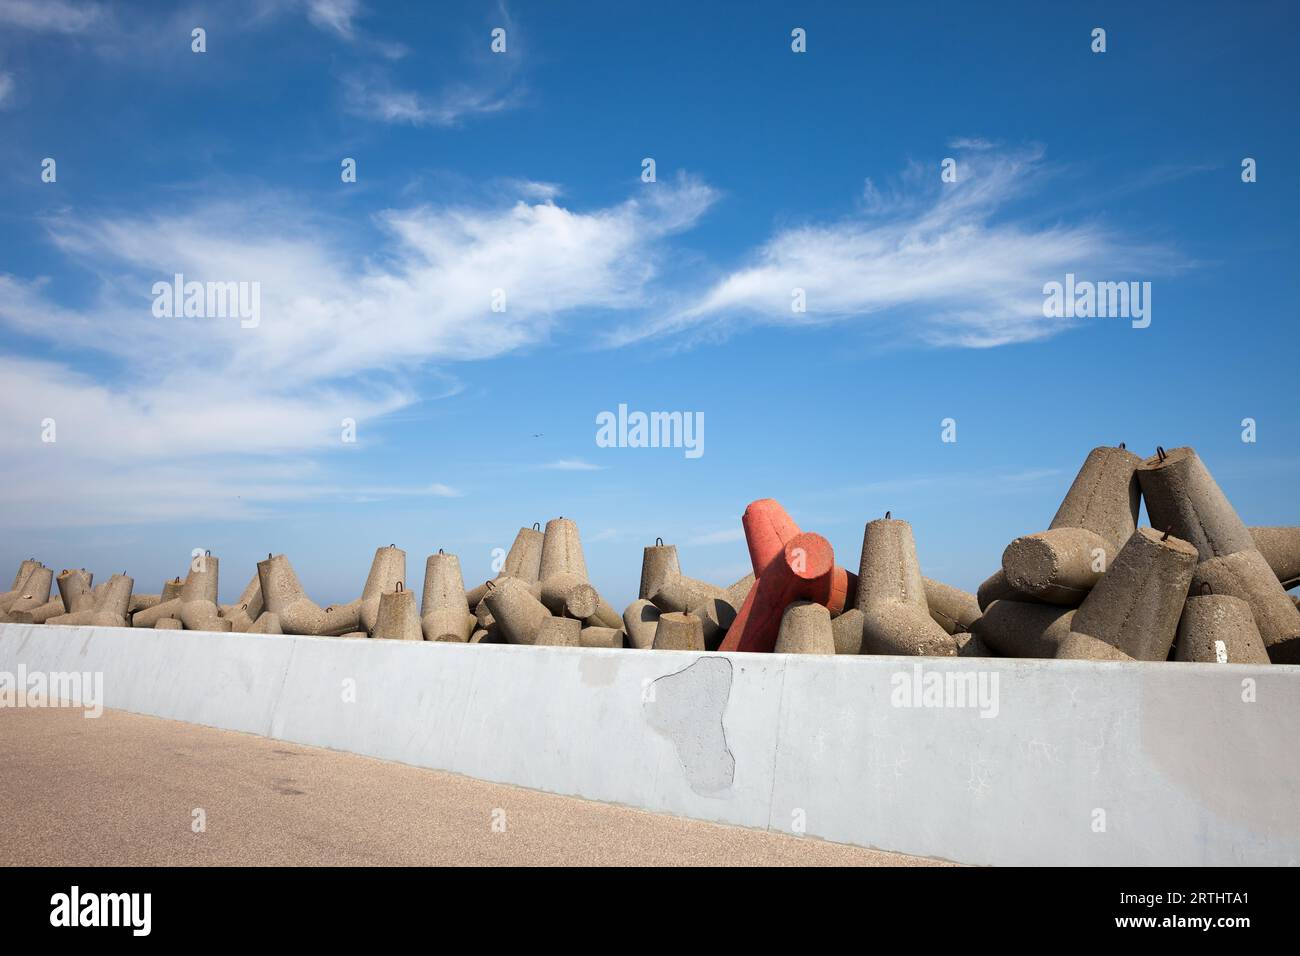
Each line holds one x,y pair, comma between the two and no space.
522,171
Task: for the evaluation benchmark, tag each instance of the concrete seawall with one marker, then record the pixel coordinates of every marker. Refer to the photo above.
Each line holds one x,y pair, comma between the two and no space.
983,761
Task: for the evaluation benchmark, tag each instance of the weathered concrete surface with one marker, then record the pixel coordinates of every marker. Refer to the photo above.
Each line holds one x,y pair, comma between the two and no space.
658,564
1281,549
1219,629
1024,629
1059,566
1103,497
952,608
805,629
825,744
1136,605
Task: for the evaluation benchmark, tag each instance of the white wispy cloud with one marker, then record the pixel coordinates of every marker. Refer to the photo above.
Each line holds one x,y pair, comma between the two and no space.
372,95
337,16
139,401
571,464
6,89
51,16
937,263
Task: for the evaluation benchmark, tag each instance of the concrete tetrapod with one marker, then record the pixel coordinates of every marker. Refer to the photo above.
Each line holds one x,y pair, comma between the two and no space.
1136,605
1219,629
805,629
266,623
247,608
518,614
561,550
1281,549
681,593
110,608
679,631
1097,516
397,619
639,621
601,637
802,571
891,595
1082,647
658,564
768,529
952,608
1184,498
563,567
1024,629
25,570
75,589
387,569
35,591
444,614
199,611
1103,497
36,615
846,632
585,603
283,596
142,602
559,632
522,561
196,601
1246,575
996,588
1059,566
716,617
971,645
737,593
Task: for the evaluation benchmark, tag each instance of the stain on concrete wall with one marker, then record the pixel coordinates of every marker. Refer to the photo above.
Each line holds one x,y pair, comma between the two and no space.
687,707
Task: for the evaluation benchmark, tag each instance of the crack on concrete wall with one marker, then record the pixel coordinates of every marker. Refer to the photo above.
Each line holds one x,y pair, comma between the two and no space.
687,708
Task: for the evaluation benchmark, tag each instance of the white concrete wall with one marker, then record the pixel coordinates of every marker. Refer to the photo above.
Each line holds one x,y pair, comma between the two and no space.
1184,769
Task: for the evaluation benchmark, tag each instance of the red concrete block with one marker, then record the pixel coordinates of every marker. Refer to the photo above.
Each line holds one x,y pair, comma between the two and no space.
803,570
768,529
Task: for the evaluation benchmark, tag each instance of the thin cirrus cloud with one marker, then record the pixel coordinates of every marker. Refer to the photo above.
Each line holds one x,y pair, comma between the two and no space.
571,464
51,16
344,334
371,95
340,335
941,264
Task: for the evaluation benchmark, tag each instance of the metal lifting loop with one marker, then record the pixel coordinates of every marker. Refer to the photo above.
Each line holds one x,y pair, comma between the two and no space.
659,542
1160,453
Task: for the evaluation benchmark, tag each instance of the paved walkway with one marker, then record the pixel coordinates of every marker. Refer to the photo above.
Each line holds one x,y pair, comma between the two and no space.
124,790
